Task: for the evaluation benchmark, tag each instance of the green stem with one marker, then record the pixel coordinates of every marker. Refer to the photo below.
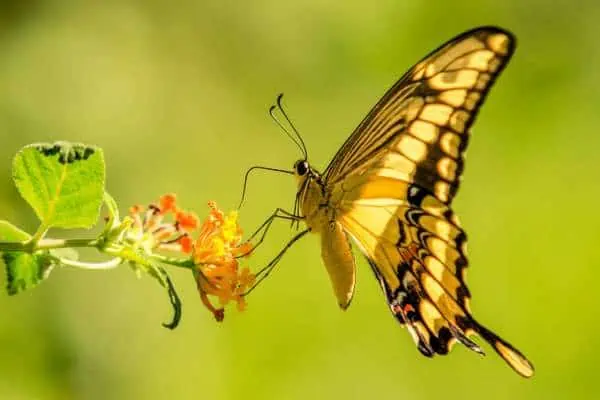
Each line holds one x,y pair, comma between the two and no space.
176,262
129,255
15,246
113,214
46,244
38,235
111,206
61,243
110,264
116,251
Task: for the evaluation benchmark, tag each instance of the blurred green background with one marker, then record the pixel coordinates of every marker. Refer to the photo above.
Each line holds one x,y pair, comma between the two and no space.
177,95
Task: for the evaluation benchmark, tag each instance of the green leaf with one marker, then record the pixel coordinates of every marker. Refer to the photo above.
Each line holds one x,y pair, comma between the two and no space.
62,182
25,271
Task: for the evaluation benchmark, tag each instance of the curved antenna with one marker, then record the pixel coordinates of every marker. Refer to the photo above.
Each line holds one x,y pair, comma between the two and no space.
284,171
289,121
283,128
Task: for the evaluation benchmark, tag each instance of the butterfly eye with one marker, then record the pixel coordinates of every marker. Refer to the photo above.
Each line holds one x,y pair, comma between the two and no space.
301,167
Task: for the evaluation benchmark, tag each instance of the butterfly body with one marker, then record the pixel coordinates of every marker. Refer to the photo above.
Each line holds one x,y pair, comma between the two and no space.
311,196
319,217
389,190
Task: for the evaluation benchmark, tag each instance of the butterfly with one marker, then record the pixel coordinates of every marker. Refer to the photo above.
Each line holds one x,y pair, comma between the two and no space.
390,187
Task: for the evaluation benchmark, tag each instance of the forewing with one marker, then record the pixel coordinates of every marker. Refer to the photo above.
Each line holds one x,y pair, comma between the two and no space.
418,131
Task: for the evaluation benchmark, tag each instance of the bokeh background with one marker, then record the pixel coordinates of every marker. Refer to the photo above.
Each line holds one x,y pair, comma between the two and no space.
177,95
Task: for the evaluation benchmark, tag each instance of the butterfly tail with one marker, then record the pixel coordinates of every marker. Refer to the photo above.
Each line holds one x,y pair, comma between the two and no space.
513,357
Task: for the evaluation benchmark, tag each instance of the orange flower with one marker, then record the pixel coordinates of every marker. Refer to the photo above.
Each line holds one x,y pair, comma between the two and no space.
186,221
167,203
214,247
216,251
186,243
150,232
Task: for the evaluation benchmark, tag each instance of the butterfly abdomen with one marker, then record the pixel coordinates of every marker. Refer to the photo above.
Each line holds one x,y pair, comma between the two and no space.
339,262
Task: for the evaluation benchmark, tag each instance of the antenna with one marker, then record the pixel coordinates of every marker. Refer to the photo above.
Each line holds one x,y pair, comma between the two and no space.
283,128
302,145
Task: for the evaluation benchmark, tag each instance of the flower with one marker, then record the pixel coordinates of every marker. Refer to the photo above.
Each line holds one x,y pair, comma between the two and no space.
150,231
216,252
213,248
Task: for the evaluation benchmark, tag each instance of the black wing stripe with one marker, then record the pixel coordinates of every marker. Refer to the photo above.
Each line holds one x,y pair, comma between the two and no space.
462,292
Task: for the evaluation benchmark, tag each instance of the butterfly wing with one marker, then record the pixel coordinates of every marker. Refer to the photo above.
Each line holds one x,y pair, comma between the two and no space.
392,182
438,99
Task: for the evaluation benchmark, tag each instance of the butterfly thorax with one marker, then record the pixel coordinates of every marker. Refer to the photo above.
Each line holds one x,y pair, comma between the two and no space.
311,198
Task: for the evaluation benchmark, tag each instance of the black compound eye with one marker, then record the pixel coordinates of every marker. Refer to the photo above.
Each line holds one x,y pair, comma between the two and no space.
301,168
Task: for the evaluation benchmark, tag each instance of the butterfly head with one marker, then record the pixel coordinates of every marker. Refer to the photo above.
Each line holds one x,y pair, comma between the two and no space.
304,173
301,168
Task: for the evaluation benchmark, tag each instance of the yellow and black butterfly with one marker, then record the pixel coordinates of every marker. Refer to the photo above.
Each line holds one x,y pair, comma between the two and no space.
389,189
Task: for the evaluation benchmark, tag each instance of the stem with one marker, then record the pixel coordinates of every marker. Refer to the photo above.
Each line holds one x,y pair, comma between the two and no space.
60,243
111,206
38,235
176,262
46,244
129,255
110,264
113,214
116,251
15,246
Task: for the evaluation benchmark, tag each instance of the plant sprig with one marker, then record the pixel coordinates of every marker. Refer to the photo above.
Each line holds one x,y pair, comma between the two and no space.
64,183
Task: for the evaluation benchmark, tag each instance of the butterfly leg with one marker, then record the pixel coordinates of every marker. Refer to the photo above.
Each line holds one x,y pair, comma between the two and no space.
263,229
265,271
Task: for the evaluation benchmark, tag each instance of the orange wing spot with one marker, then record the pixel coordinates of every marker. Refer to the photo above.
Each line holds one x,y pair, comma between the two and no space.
402,309
408,308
